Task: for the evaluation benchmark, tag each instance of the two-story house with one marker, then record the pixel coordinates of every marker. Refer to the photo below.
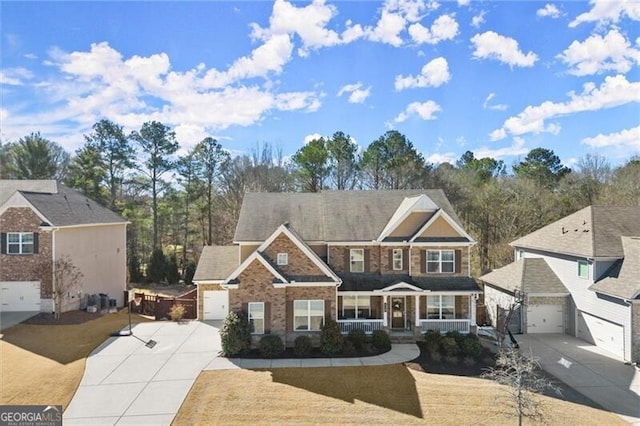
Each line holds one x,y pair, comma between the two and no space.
41,221
579,275
392,260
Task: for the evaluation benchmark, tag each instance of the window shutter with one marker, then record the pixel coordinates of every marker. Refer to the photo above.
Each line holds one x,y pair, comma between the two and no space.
3,242
327,311
267,318
245,310
458,261
367,261
289,315
347,260
423,261
36,241
405,259
390,266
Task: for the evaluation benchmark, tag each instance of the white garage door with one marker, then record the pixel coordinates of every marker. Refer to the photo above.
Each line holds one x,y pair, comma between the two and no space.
544,319
602,333
20,296
215,304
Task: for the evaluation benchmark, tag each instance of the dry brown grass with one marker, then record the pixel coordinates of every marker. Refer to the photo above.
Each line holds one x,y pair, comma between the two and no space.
43,364
391,394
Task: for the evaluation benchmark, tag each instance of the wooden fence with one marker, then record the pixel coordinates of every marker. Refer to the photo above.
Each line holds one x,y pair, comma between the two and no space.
159,306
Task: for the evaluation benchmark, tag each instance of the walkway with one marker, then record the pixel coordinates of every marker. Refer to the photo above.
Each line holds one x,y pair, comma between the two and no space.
128,383
594,372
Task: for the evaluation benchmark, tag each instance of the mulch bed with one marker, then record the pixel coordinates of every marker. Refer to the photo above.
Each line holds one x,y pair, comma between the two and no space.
452,366
315,353
66,318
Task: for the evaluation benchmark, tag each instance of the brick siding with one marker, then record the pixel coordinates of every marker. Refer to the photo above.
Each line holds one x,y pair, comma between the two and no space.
298,262
27,267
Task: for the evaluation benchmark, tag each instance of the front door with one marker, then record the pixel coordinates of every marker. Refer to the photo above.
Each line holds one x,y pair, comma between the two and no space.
397,312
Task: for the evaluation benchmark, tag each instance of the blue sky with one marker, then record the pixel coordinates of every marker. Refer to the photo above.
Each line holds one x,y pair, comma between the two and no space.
498,78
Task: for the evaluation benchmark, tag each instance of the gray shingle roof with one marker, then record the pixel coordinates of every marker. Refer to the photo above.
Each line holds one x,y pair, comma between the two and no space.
216,263
594,231
68,207
623,278
370,282
327,215
532,275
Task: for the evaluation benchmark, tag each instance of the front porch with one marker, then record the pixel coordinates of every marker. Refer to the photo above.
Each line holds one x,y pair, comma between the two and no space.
406,313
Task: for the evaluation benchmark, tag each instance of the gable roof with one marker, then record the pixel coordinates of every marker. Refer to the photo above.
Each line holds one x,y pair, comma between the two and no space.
406,207
379,282
327,215
623,278
594,231
216,263
9,186
61,206
531,275
463,236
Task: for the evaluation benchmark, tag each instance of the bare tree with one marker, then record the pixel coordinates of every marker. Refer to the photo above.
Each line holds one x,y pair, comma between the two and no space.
520,375
66,281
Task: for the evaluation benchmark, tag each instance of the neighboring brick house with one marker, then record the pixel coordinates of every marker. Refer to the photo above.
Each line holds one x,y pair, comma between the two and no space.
392,260
42,220
579,275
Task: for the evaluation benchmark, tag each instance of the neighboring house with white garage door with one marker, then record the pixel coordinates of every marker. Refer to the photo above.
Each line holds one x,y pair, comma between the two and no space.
42,220
579,275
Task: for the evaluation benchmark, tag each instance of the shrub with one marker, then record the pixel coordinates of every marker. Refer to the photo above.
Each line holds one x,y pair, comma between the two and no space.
188,271
435,356
456,335
433,339
171,273
349,349
235,334
451,359
358,338
157,268
380,341
469,361
450,346
302,346
331,341
177,311
471,347
270,346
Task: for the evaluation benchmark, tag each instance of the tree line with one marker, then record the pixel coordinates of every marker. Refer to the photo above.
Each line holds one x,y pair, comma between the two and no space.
178,203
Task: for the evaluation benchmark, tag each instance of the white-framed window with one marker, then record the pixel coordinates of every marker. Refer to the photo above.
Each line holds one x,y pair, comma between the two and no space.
583,269
283,259
441,307
256,317
519,254
19,242
397,259
308,315
356,260
440,261
354,307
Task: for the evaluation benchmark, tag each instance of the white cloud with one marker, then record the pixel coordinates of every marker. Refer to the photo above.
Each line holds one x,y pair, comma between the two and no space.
425,111
515,149
444,27
598,54
15,76
308,22
604,12
478,19
549,10
490,45
487,105
439,158
394,17
614,91
357,94
625,138
312,137
433,74
464,2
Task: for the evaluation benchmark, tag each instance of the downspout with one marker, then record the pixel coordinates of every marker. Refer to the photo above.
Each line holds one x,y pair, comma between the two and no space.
53,266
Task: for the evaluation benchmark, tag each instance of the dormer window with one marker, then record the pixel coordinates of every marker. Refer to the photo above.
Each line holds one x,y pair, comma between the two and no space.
583,269
283,259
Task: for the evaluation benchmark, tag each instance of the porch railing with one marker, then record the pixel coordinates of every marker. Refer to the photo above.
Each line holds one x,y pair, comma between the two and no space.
443,326
368,325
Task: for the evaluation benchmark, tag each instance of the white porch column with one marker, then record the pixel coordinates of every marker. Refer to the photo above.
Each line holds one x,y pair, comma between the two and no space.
385,320
472,308
417,321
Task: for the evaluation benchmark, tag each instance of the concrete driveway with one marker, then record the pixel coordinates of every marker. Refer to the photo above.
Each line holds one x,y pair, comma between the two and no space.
9,319
127,383
595,373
